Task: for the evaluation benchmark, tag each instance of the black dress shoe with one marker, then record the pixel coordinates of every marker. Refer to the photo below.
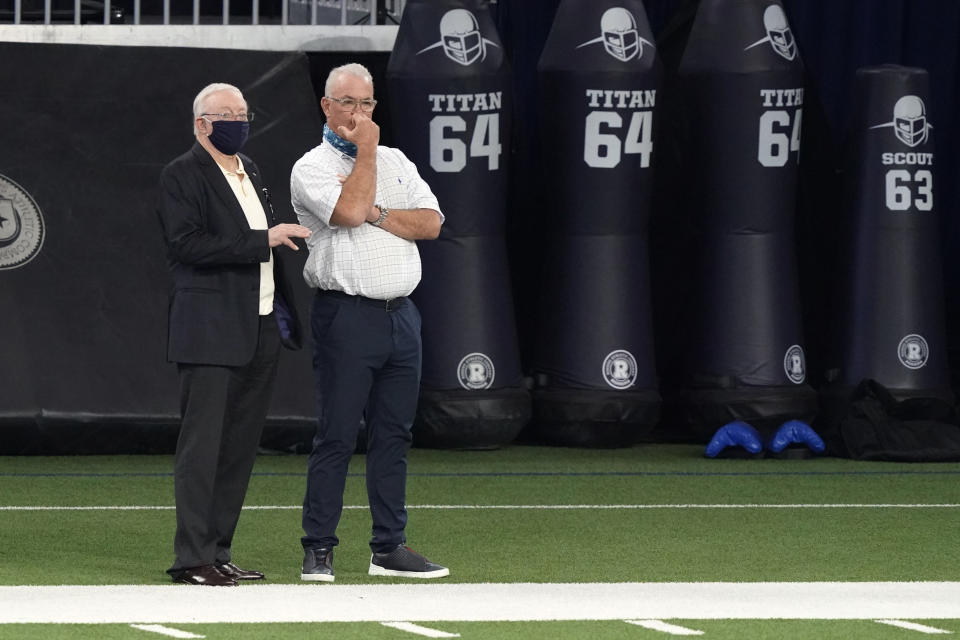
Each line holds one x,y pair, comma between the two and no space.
205,575
233,571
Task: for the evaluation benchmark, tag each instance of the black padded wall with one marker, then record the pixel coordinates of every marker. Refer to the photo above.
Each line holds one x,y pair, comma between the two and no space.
87,130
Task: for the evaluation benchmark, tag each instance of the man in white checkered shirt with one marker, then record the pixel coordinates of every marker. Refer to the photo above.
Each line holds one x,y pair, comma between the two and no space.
365,205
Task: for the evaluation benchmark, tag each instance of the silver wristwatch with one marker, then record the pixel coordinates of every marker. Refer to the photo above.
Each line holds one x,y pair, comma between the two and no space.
384,212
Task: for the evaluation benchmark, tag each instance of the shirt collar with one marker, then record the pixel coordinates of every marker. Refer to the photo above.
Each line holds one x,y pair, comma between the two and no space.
239,172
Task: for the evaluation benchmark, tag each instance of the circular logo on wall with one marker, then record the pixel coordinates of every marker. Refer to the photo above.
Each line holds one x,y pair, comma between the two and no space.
475,371
794,364
21,225
913,351
620,369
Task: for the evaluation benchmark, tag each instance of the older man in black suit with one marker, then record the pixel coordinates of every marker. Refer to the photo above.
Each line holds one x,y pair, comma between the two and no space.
230,309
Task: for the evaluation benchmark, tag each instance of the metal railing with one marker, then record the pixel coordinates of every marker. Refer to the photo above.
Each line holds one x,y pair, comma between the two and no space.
196,12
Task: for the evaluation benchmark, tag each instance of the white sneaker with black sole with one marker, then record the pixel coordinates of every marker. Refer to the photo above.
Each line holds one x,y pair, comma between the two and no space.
404,562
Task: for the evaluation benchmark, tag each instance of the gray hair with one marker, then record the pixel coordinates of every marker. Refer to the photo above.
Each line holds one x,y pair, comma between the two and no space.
353,69
199,103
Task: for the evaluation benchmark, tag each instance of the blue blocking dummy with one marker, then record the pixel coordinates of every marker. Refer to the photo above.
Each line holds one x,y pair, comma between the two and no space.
598,76
449,79
741,85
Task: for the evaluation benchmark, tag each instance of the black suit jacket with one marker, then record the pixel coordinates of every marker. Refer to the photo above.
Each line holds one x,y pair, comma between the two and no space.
214,257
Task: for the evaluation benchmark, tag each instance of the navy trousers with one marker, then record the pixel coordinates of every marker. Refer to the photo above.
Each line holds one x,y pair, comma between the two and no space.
223,411
366,358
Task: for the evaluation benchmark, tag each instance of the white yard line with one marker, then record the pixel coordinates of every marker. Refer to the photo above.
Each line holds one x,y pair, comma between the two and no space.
913,626
508,507
420,631
167,631
660,625
437,602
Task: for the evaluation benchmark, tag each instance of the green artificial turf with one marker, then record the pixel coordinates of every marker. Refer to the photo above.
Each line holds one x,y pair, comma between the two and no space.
521,544
671,521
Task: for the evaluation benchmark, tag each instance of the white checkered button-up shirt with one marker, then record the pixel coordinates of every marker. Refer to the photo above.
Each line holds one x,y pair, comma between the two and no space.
365,260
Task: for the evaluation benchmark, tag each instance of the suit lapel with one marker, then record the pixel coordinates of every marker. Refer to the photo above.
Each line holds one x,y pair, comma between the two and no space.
262,194
214,176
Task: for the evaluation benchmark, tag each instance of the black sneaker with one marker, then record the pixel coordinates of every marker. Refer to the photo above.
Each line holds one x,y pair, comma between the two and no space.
404,562
317,565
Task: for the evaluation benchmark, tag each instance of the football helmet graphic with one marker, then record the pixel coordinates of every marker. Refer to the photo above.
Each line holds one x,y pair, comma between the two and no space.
460,35
619,35
910,121
781,38
460,38
778,33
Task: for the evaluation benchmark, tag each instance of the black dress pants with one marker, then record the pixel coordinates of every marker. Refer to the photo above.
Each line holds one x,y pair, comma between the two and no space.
223,410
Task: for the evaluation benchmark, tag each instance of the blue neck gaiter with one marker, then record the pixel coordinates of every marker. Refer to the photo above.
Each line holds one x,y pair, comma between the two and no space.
341,145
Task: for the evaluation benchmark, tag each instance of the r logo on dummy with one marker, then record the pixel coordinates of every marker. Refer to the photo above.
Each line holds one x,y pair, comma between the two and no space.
794,365
460,38
913,351
620,369
476,371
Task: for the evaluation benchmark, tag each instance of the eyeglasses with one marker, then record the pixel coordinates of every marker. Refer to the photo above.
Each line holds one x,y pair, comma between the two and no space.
350,104
248,117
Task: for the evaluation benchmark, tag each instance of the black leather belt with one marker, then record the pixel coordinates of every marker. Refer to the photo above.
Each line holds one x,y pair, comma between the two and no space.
386,305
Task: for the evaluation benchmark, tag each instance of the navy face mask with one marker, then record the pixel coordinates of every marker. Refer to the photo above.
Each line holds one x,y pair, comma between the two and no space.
229,136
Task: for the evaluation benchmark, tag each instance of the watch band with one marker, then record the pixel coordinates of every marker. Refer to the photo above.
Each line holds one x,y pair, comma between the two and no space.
384,212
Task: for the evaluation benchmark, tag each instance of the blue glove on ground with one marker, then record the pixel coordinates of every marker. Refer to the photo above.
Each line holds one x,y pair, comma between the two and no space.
795,431
735,434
